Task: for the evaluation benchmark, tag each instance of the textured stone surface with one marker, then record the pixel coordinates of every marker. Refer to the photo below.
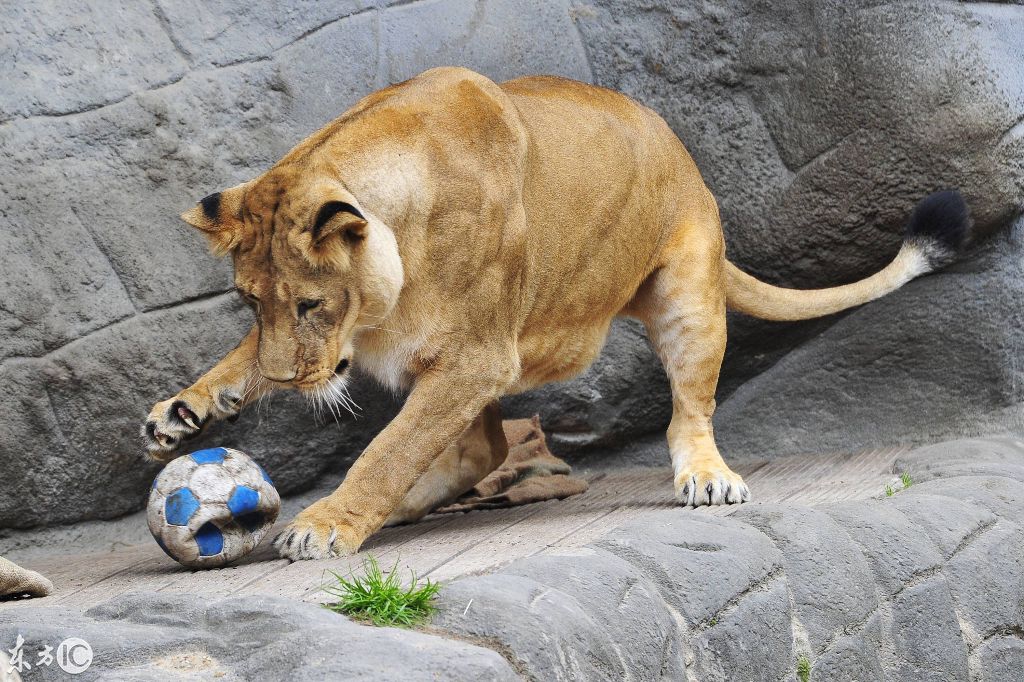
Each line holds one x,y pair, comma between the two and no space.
155,636
937,359
922,585
834,573
819,124
1002,658
59,58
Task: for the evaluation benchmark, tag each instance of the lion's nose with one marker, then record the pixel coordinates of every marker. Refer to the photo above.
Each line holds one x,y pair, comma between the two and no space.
278,374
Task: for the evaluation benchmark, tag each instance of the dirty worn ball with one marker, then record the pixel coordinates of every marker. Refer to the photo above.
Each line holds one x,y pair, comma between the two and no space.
211,507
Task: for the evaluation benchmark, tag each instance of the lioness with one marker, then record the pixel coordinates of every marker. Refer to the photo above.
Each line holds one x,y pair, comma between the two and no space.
464,240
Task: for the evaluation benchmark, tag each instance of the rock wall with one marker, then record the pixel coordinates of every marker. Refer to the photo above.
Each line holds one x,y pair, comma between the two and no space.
817,124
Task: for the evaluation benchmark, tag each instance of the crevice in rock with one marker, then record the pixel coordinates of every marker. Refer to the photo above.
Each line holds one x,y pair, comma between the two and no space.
475,21
698,546
763,583
492,643
56,421
823,154
1014,132
630,584
323,25
105,253
165,24
32,358
540,595
95,106
969,539
1002,5
1014,630
775,142
202,298
801,642
682,628
191,299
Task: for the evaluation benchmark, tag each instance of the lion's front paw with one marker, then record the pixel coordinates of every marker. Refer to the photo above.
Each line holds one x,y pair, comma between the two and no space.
316,533
171,422
709,485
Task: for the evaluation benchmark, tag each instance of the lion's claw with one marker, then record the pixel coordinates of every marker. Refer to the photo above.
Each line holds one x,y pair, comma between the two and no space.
712,486
313,535
170,423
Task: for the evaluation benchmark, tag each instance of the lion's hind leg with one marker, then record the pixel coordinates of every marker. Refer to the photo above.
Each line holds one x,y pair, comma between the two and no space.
682,305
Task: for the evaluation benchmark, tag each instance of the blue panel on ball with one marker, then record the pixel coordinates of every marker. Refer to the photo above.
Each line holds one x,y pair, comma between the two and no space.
243,500
210,539
265,476
180,506
209,456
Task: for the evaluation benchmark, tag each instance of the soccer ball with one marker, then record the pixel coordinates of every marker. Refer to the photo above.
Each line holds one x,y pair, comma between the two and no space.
211,507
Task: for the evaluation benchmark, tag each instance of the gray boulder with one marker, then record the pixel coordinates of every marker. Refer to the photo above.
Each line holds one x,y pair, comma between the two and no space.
882,589
156,636
936,359
818,125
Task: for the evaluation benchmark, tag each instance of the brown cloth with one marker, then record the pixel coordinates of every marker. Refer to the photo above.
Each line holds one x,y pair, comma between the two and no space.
530,473
16,581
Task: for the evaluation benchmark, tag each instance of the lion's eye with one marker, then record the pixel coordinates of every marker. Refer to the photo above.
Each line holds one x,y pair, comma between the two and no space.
305,305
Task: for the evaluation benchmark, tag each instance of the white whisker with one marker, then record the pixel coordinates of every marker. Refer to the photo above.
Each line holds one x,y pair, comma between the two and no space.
325,392
383,329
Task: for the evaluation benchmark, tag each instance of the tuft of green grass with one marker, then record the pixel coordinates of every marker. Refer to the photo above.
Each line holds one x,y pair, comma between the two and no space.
382,599
905,482
803,669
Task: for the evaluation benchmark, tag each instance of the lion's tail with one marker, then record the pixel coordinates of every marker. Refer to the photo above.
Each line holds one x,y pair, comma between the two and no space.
933,238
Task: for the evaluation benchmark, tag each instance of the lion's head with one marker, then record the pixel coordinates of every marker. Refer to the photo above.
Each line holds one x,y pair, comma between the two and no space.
313,265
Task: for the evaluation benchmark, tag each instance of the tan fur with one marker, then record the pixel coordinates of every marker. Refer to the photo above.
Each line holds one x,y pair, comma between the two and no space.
505,227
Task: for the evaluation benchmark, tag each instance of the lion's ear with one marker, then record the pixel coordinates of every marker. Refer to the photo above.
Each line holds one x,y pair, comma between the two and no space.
338,217
219,216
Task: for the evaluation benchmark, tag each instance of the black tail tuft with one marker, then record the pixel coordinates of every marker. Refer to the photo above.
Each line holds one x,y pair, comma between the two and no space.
939,227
